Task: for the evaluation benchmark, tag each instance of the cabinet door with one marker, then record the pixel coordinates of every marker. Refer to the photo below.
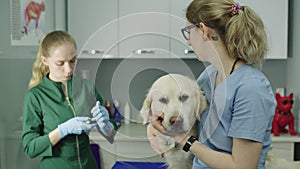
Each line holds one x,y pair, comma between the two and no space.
93,24
143,29
283,150
178,45
274,14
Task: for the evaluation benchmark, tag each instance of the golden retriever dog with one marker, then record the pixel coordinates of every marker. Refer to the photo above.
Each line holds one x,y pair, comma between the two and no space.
182,101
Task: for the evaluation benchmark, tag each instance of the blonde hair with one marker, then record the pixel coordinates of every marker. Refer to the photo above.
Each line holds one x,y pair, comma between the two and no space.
49,41
243,33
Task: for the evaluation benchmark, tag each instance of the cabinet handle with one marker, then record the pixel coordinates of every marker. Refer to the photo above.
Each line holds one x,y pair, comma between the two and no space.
188,51
142,51
93,52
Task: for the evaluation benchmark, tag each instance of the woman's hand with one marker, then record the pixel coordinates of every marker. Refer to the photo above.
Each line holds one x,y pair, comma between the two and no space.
75,125
101,116
156,123
152,137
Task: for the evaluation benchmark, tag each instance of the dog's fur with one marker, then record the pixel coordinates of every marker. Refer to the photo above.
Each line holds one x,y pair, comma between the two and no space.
179,101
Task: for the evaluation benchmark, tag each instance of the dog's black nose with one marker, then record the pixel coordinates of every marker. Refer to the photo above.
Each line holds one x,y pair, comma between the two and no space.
176,120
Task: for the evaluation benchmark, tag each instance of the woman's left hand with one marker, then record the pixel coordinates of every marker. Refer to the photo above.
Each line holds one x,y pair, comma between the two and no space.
100,113
180,137
101,116
157,124
153,139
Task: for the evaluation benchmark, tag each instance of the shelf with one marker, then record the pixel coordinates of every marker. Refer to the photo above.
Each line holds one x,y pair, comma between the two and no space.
286,137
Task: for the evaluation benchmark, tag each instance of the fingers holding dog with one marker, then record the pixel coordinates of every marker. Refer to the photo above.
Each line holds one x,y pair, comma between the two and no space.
154,139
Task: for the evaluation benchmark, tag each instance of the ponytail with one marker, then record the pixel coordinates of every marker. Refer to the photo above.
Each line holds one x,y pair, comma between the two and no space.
39,70
246,37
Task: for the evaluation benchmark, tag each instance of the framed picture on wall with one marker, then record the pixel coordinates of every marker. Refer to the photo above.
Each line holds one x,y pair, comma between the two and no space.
29,21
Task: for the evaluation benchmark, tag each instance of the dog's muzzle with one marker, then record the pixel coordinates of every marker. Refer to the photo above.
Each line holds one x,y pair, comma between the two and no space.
176,123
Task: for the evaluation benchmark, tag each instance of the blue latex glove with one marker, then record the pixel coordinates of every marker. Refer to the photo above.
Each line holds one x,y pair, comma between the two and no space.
101,116
75,125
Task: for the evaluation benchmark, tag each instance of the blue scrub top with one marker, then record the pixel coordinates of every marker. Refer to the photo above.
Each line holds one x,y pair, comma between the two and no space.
242,106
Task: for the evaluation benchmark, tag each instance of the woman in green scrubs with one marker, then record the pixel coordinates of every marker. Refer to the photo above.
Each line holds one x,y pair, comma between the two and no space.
54,114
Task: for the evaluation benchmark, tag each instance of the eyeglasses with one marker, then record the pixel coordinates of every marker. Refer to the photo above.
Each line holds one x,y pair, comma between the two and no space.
186,30
284,102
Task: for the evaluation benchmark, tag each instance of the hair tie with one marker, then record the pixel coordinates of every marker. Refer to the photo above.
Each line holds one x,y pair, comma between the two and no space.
235,8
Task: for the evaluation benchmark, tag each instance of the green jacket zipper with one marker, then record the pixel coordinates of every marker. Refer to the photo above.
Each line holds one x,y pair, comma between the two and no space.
77,142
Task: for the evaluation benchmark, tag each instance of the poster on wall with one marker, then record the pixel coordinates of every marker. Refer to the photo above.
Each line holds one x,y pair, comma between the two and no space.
27,22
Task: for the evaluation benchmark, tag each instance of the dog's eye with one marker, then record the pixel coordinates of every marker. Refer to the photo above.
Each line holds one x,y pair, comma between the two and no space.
183,98
163,100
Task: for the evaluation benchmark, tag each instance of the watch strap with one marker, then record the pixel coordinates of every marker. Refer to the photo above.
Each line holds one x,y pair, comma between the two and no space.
189,143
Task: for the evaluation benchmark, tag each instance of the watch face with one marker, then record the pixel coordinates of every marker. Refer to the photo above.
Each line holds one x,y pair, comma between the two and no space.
192,139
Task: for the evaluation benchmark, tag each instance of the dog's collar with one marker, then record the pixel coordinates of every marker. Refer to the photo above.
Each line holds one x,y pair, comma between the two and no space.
283,113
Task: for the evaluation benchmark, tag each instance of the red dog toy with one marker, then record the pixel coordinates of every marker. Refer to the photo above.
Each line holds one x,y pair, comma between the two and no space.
283,115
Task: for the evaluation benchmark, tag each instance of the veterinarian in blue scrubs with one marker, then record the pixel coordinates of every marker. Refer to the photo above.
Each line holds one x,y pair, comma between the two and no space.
234,131
54,121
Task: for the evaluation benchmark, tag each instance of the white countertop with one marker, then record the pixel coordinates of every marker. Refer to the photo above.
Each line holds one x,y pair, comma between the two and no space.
285,137
127,132
130,142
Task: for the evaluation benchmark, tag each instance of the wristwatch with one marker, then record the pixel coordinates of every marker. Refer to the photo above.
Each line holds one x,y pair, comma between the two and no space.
189,143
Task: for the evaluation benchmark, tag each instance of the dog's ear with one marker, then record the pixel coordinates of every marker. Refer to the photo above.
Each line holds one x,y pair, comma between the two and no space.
146,109
202,103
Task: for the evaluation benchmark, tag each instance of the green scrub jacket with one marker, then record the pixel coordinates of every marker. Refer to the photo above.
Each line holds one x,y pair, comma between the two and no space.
45,107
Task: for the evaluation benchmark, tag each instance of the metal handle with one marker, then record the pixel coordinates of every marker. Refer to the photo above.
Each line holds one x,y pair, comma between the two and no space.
188,51
93,51
142,51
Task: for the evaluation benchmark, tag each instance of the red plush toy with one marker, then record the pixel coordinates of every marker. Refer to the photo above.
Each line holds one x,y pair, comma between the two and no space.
283,115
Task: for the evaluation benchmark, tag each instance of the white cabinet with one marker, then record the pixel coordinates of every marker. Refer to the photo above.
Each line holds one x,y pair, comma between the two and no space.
178,45
283,146
274,14
12,153
131,144
120,29
144,29
151,29
94,26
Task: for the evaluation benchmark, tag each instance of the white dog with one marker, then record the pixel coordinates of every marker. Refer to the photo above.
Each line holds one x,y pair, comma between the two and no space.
178,101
